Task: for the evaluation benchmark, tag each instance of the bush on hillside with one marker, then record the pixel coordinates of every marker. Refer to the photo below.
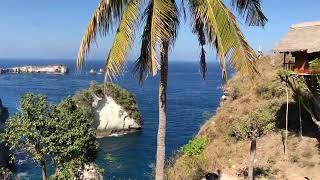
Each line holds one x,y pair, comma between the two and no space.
270,89
258,122
195,146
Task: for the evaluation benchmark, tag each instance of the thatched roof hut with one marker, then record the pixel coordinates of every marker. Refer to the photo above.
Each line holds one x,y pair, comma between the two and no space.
303,43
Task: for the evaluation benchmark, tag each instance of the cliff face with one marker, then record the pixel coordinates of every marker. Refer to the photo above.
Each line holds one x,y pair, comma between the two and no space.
4,114
112,118
114,113
222,145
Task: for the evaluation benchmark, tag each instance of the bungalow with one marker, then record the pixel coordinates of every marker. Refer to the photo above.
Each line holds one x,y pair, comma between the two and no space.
302,43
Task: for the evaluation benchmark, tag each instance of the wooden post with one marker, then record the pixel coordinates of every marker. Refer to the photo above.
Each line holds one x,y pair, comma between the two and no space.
300,119
284,61
287,109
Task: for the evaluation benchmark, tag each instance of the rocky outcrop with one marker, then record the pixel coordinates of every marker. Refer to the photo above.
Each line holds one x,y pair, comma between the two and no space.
4,114
111,118
115,111
90,172
49,69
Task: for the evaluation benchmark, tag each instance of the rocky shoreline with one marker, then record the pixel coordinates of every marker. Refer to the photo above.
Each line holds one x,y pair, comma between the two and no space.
48,69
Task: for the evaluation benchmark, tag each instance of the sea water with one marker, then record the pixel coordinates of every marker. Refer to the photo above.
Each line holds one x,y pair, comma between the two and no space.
191,101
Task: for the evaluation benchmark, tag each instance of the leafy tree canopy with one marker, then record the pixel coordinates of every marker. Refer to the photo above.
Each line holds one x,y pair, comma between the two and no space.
62,132
72,140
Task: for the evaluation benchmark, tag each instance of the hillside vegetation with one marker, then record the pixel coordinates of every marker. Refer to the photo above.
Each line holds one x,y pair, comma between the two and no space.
223,142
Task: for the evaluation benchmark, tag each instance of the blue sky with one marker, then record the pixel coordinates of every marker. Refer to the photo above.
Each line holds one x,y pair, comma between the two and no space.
41,29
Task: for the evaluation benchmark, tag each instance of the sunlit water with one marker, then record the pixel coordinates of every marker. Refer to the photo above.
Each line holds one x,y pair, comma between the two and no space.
190,102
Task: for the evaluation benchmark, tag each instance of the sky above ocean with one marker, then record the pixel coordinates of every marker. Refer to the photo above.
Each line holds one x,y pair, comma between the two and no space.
38,29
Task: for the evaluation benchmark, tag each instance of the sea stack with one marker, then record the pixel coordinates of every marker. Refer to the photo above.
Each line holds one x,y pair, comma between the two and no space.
114,109
49,69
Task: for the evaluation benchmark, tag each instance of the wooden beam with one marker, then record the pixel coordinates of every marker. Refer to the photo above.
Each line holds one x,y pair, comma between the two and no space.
284,60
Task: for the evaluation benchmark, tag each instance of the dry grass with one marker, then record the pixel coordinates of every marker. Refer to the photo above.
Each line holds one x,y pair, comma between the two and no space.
230,156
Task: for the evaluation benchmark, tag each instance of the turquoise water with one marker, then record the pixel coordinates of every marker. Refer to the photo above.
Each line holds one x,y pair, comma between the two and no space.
190,102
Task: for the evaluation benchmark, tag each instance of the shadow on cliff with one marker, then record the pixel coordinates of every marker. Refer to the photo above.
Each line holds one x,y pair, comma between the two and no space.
309,129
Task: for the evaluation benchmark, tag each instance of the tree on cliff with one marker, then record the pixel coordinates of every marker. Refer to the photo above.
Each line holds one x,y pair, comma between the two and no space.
212,22
72,140
251,127
62,132
27,130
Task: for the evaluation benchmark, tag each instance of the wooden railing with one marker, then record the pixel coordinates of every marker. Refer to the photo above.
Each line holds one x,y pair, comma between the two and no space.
289,65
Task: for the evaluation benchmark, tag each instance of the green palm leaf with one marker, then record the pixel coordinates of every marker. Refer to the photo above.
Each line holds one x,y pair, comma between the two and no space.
123,39
160,26
198,29
107,13
251,10
224,34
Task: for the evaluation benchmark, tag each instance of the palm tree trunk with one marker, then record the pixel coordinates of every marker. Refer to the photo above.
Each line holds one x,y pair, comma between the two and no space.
43,169
253,148
162,112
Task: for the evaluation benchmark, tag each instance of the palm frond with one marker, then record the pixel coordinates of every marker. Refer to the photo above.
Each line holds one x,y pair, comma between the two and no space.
251,10
123,40
223,33
107,13
198,29
183,9
203,63
161,23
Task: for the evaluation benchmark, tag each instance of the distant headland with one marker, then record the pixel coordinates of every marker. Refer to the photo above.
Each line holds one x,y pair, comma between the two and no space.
48,69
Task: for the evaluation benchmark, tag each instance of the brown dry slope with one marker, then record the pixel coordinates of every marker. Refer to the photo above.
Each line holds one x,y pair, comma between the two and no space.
222,144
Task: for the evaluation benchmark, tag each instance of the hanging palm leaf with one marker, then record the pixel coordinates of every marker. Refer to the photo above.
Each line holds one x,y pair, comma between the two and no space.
161,22
224,34
123,40
107,13
251,10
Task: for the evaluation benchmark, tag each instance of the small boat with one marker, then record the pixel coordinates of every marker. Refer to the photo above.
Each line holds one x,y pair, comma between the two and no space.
92,71
100,71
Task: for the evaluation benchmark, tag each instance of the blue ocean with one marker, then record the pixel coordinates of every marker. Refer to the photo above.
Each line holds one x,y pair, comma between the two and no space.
191,101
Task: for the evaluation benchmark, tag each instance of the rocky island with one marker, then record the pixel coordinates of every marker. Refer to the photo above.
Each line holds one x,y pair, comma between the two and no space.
49,69
114,113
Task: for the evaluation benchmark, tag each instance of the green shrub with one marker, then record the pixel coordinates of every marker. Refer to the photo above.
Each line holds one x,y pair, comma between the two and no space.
258,122
195,146
284,73
270,89
315,64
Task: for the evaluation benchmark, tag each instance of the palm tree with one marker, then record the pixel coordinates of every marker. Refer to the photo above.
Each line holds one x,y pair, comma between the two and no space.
211,20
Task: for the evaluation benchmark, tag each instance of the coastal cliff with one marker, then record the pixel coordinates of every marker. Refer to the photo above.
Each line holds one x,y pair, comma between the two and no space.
114,113
49,69
4,114
222,146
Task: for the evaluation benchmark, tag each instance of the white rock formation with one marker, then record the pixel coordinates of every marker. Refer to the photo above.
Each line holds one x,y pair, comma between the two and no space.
111,118
90,172
49,69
